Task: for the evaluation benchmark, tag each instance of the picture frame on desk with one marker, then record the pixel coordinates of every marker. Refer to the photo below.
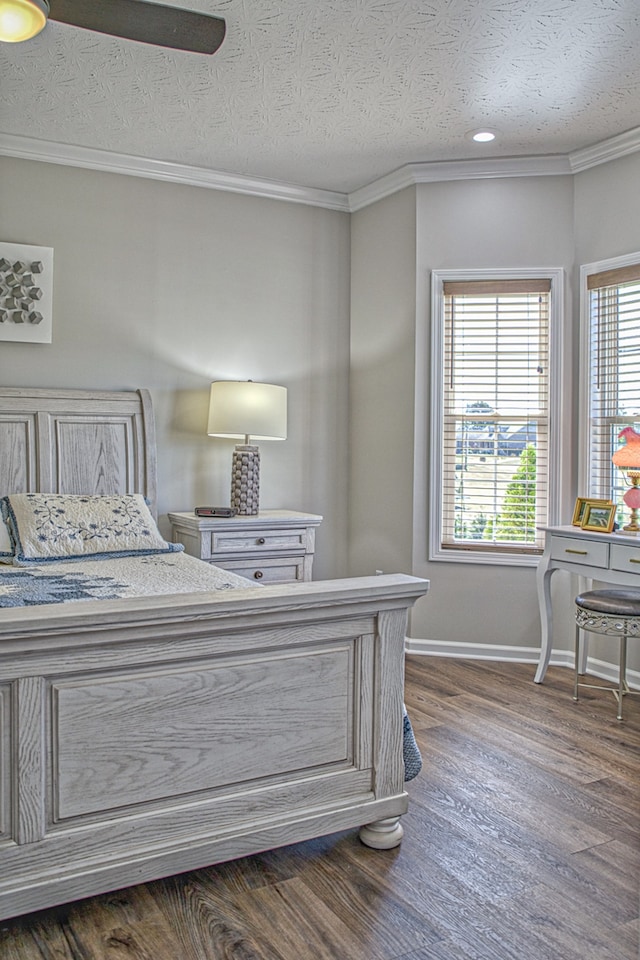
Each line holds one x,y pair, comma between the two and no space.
579,509
598,517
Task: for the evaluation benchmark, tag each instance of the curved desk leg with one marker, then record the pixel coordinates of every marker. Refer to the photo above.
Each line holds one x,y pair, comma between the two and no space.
543,581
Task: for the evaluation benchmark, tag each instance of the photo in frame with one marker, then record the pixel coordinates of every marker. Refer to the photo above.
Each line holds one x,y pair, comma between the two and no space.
26,292
598,517
578,510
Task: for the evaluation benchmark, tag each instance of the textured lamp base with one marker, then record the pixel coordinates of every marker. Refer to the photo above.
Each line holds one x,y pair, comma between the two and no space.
245,480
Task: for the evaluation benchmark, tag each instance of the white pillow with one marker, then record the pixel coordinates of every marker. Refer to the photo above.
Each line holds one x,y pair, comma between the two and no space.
6,546
47,527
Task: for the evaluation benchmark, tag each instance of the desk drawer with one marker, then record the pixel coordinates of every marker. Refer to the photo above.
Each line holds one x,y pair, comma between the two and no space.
625,558
576,550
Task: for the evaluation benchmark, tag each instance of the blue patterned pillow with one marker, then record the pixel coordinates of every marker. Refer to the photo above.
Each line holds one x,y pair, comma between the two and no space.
49,527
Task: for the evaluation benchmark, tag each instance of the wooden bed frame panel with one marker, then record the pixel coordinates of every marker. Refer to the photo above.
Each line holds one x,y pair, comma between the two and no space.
141,738
73,441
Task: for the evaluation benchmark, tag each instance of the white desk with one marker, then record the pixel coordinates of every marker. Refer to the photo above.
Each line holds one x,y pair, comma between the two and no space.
611,557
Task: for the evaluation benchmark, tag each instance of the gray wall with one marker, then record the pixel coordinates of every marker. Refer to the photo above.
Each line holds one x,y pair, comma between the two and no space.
382,386
517,222
558,221
501,223
168,287
608,210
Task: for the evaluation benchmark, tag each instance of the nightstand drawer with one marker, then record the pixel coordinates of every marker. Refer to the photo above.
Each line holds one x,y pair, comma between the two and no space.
269,570
626,558
580,551
256,542
276,546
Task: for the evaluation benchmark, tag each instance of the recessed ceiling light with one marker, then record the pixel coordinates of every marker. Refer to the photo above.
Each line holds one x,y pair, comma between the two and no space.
483,136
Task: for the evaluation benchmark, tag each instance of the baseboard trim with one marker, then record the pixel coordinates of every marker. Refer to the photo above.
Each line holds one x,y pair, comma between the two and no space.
506,654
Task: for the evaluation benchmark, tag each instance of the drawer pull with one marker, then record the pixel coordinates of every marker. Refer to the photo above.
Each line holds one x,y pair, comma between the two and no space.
261,541
258,574
634,560
582,553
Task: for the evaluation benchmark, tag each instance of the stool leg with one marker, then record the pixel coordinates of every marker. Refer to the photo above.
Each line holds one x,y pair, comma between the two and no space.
584,652
622,678
576,668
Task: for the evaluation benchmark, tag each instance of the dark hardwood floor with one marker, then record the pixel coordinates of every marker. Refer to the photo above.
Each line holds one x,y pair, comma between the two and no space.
522,842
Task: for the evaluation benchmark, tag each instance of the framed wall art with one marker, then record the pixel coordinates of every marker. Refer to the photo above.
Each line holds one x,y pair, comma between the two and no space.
26,292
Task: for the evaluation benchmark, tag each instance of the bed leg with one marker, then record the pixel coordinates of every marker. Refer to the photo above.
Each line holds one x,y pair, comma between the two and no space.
382,834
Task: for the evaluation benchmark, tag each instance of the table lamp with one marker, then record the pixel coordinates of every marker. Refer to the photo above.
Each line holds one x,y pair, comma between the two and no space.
627,459
244,409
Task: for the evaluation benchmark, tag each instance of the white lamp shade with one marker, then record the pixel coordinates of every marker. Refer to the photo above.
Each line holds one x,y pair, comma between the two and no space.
242,408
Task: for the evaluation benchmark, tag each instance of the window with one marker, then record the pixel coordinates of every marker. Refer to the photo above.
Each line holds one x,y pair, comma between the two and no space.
491,424
611,360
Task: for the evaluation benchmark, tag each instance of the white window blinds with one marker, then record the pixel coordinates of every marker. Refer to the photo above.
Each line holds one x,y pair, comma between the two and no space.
614,372
495,415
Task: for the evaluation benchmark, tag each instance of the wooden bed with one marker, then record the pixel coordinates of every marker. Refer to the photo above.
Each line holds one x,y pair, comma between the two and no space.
148,736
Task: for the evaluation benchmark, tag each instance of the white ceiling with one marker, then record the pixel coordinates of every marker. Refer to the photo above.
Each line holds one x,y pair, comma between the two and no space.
334,94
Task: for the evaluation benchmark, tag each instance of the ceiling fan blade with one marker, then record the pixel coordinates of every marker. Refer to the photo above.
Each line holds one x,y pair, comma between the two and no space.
146,22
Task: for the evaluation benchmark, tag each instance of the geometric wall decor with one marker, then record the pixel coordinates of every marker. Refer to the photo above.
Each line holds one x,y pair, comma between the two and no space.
26,292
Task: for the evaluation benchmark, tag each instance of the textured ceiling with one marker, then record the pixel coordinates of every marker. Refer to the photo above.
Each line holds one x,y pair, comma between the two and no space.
336,93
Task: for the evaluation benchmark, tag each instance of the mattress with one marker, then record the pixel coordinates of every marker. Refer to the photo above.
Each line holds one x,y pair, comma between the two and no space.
72,581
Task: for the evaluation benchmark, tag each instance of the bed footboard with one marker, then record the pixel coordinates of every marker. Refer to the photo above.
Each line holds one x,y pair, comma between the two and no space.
144,738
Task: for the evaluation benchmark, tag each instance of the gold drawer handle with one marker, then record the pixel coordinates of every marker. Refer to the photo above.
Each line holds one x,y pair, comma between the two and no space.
633,560
260,541
258,574
582,553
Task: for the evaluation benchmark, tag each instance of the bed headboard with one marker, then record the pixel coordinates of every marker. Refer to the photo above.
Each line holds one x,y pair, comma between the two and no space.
77,441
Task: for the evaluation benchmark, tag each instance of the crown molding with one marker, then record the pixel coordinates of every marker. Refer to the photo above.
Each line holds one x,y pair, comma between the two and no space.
28,148
606,150
439,171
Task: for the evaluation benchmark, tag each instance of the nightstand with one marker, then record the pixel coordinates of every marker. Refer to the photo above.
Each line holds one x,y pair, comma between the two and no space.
277,546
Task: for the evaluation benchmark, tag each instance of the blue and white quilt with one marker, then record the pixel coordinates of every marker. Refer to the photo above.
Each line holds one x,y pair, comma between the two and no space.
111,579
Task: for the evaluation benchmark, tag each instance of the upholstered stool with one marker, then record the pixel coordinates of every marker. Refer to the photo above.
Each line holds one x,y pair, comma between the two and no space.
613,613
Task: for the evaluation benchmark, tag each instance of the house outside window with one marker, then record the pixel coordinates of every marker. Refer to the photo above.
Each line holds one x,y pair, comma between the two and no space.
610,368
495,413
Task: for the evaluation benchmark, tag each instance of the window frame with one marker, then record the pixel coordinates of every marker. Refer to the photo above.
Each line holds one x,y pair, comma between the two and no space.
585,361
556,405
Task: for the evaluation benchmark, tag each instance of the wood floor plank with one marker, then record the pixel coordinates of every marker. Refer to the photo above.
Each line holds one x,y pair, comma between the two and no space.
207,924
514,841
576,925
542,743
619,795
576,820
125,924
366,904
522,842
617,865
43,936
440,889
629,934
16,944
